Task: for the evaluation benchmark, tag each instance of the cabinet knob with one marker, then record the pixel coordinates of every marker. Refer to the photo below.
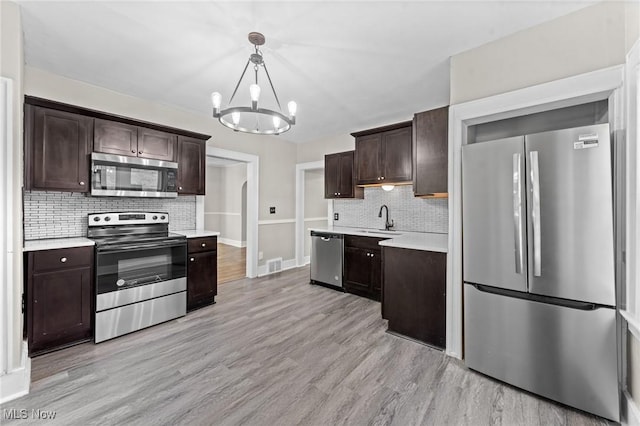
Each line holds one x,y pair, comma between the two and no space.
82,183
180,188
63,259
338,193
133,151
192,259
139,152
371,254
204,245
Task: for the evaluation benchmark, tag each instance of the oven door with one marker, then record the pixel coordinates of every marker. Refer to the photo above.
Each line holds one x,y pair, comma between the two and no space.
126,266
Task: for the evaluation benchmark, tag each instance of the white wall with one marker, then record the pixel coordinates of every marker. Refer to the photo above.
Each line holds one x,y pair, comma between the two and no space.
315,205
223,202
587,40
316,150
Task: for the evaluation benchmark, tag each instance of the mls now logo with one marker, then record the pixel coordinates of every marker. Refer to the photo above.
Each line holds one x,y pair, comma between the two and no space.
14,414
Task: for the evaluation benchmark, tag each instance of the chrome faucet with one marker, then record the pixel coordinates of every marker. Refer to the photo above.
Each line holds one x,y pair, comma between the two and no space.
387,225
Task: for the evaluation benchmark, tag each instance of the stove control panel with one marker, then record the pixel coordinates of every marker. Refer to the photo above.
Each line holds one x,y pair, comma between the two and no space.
127,218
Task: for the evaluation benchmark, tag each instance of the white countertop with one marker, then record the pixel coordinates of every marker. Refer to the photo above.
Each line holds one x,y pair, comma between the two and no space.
196,233
57,243
401,239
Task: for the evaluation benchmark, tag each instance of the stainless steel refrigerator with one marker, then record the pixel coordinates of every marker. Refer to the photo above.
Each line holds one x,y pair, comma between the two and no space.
539,283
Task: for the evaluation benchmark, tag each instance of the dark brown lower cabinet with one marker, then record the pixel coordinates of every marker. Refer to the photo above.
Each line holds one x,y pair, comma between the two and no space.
363,266
202,272
59,298
414,300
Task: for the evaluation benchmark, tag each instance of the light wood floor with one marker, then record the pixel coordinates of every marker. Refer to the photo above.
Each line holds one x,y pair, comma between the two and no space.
232,263
275,351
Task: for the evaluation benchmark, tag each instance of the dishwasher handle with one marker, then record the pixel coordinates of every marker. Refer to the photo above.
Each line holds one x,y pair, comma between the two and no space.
326,236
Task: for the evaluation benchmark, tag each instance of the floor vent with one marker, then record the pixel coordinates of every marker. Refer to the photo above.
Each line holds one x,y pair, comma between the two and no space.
274,265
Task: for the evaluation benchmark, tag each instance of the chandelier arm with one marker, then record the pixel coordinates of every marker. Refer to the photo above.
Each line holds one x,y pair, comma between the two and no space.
239,81
272,88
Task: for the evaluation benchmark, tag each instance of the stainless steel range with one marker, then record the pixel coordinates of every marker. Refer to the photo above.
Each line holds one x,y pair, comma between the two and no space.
141,271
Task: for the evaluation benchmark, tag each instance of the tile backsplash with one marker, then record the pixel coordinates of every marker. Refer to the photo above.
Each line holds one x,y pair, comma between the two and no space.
408,212
49,214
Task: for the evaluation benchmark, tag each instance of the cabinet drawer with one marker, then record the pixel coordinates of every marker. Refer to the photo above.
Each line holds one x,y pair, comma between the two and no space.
196,245
368,243
67,258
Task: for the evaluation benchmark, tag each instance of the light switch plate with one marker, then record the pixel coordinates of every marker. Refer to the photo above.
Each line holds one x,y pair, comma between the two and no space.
336,216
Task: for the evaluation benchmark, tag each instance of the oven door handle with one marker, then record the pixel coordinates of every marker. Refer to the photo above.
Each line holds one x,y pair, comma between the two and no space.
132,247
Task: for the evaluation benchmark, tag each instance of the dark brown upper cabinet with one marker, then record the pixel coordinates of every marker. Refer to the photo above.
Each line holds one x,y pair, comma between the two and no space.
430,153
57,148
383,155
339,178
113,137
59,139
191,165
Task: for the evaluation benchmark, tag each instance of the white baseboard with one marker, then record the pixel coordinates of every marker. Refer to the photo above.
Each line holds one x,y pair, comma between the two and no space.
231,242
16,382
631,412
286,264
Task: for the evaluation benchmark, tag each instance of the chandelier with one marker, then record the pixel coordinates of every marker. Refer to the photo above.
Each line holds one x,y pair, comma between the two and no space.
252,119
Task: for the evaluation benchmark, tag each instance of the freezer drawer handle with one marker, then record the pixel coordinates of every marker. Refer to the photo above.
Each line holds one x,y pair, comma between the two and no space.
535,214
517,213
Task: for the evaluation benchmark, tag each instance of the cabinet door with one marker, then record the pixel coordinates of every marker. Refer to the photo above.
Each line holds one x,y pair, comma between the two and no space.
430,152
396,155
414,294
156,145
191,166
331,175
202,279
357,270
112,137
368,154
345,182
60,308
58,147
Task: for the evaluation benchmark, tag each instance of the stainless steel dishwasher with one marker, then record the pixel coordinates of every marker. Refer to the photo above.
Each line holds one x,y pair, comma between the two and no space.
326,258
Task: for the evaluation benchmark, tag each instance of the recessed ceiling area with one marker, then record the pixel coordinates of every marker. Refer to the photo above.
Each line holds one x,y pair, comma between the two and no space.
348,65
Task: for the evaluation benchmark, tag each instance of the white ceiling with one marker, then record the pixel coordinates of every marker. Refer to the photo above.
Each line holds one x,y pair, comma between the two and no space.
348,65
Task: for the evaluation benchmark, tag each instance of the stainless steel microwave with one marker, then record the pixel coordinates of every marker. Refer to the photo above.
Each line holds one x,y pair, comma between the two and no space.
121,176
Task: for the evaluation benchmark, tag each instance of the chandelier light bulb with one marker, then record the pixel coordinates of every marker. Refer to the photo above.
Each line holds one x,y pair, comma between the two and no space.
216,100
254,91
293,108
276,123
235,117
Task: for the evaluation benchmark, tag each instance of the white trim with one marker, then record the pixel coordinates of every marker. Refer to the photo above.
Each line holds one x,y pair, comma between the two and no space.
574,90
16,383
315,219
286,264
7,284
230,242
632,417
301,168
632,323
253,190
632,182
223,213
275,221
307,260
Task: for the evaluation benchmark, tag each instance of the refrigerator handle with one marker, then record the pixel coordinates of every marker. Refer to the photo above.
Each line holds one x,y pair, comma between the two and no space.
517,213
535,214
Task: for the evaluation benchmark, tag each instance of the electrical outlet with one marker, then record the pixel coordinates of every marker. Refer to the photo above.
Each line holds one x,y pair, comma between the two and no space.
336,216
272,210
260,255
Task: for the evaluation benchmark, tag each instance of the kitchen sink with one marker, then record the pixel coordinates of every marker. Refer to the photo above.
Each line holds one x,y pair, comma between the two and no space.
379,231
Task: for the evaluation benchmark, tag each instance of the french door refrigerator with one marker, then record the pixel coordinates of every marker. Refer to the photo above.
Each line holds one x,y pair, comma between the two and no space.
538,268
